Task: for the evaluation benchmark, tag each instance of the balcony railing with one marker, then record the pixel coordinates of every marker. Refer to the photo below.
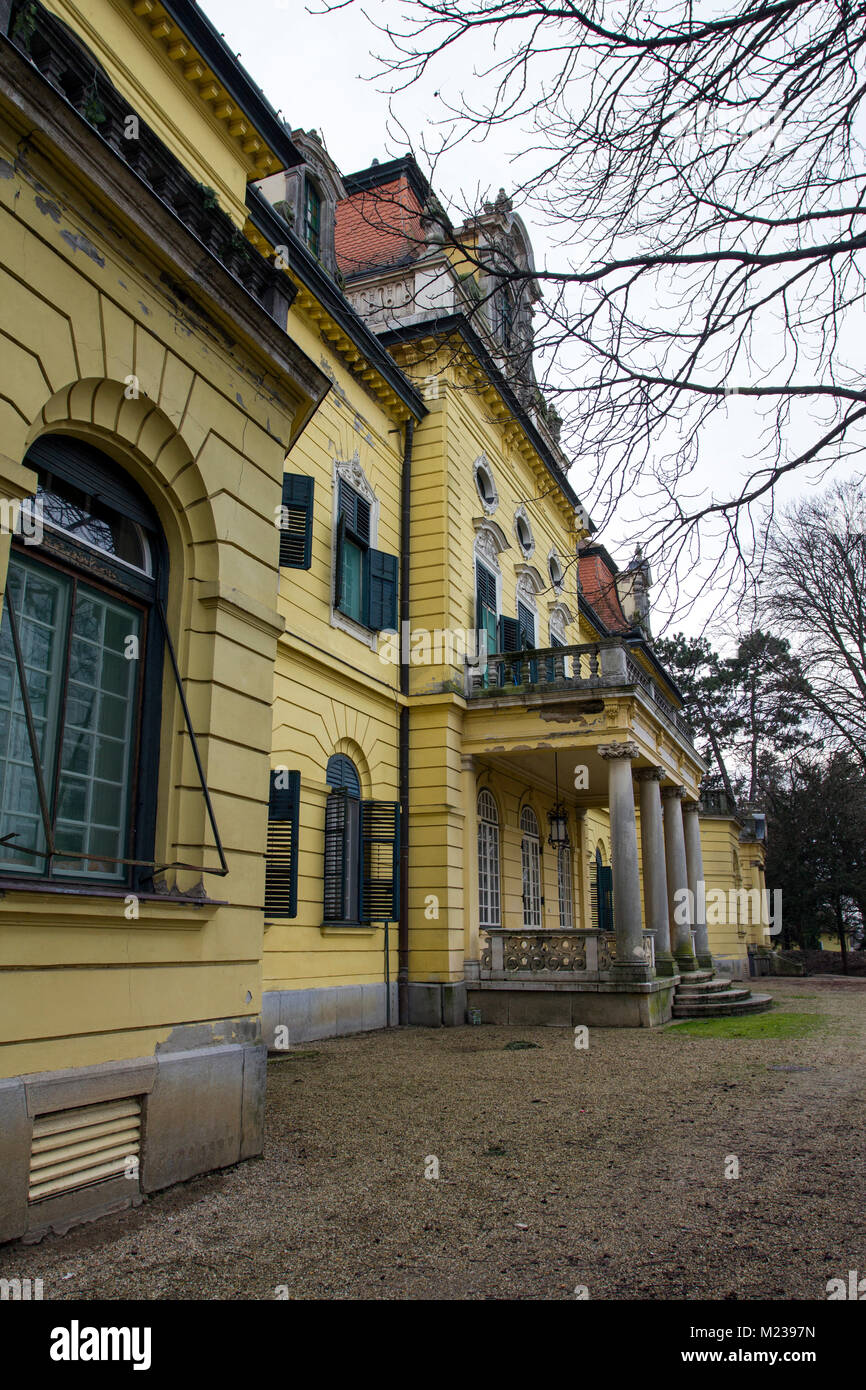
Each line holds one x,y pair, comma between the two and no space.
587,666
552,955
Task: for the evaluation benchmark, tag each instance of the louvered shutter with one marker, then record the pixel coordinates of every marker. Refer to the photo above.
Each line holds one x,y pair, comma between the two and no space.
509,634
356,511
526,624
605,896
296,522
281,862
338,572
382,594
342,857
380,859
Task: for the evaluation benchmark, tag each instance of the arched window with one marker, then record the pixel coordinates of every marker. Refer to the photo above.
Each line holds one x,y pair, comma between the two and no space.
488,861
342,773
312,217
566,890
81,674
530,852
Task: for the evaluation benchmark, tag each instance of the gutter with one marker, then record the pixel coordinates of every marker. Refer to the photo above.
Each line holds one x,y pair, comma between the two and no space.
405,556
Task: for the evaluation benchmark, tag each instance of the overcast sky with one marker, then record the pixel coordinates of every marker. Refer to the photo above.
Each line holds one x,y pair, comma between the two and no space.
319,70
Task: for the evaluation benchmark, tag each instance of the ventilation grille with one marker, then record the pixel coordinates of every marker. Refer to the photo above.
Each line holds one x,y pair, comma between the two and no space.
75,1148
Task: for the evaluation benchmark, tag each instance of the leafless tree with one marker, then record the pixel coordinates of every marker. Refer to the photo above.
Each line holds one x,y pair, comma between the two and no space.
815,590
701,170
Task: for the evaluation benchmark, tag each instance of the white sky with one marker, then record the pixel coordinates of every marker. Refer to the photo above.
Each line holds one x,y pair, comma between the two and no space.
319,71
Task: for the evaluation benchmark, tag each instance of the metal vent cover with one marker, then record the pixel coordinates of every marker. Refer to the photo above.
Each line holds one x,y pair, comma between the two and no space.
72,1149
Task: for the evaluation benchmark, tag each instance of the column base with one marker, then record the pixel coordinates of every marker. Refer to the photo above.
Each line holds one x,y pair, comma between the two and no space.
687,963
705,962
666,964
628,972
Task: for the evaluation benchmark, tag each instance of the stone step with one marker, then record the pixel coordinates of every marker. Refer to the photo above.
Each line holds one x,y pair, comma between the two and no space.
703,987
696,976
724,1007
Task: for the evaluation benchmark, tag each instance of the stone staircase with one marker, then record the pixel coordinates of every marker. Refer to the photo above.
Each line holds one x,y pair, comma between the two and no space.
701,994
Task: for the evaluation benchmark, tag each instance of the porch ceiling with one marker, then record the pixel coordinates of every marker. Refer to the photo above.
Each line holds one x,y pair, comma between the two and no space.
524,740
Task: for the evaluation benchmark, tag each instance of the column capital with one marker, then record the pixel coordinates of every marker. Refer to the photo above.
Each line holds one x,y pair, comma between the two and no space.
580,813
691,806
669,793
467,763
649,774
618,750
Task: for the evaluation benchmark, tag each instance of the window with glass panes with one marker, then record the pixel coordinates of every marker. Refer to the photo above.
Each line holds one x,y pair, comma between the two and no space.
488,861
312,217
80,603
566,892
530,853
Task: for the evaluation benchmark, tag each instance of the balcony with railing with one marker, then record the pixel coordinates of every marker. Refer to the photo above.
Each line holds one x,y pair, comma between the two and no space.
547,955
586,667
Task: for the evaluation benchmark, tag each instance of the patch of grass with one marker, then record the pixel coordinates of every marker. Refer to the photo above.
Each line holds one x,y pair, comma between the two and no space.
770,1025
496,1151
517,1045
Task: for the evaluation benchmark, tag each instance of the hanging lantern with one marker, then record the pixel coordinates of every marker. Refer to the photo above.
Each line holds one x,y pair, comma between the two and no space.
558,836
558,817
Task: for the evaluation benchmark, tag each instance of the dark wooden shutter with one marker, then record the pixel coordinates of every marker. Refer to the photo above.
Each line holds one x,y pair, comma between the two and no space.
296,522
356,510
526,624
605,897
338,572
281,861
342,857
485,588
509,634
382,592
380,860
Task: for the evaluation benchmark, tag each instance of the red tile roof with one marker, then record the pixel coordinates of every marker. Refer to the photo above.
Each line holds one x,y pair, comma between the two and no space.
599,589
378,227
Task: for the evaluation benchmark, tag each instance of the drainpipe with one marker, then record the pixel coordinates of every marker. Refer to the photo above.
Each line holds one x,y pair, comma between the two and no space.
403,923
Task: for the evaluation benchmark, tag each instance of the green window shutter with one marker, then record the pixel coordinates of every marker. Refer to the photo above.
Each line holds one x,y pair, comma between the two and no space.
338,572
380,861
296,522
356,510
382,593
342,857
281,861
509,635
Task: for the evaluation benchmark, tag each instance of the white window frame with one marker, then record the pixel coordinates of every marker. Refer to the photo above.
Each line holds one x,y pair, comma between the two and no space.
530,856
489,897
565,881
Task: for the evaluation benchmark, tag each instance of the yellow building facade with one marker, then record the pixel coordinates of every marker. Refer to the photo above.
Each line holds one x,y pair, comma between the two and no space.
150,393
321,707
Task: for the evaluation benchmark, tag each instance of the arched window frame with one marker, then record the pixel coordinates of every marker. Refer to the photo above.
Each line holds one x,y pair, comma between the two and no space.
530,854
81,492
489,900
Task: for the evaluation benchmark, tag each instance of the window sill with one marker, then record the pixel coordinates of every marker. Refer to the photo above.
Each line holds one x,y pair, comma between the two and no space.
347,929
175,909
367,635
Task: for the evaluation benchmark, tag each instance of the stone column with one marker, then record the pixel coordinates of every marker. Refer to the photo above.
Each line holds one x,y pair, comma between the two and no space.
697,883
678,878
630,962
471,935
655,890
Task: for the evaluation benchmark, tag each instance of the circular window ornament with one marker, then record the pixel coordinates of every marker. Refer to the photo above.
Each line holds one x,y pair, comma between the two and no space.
485,485
523,533
556,572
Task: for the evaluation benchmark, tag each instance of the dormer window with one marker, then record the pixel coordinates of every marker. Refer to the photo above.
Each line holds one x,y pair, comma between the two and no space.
312,217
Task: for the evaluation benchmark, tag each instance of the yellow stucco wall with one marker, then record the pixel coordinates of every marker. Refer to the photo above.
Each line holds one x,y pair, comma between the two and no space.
84,308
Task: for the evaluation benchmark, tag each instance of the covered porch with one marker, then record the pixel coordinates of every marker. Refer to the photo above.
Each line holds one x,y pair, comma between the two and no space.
587,764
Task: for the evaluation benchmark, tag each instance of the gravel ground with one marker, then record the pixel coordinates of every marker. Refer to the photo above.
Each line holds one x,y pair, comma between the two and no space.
603,1168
